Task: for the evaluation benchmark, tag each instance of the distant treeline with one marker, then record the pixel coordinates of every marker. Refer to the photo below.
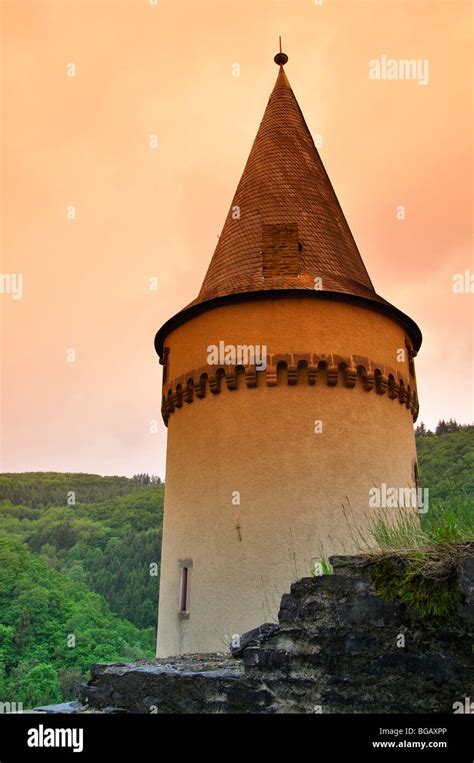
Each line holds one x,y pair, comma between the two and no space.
443,427
37,489
147,479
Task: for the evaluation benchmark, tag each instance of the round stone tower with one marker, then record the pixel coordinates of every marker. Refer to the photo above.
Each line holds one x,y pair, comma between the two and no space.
289,393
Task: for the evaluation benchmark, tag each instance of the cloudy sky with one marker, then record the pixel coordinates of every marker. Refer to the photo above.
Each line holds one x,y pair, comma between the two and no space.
79,147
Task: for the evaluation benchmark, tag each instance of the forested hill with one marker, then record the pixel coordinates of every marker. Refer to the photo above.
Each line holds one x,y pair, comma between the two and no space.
112,544
446,464
55,488
78,582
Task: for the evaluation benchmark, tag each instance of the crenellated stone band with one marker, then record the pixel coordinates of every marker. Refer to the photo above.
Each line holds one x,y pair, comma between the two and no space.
333,368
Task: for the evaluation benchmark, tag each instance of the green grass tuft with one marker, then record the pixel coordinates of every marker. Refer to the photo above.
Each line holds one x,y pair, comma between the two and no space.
415,558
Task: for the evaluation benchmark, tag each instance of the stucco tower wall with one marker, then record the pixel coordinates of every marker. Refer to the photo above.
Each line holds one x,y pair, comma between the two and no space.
301,492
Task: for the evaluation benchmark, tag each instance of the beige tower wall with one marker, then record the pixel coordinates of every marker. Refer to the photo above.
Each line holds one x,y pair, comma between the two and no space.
300,491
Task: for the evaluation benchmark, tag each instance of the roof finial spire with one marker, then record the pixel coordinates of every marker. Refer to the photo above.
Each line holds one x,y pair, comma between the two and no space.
281,58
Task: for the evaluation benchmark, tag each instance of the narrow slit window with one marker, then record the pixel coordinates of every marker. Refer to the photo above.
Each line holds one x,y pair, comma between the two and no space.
183,604
185,566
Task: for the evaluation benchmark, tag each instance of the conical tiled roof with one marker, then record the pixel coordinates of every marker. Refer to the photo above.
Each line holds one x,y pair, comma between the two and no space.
285,184
285,227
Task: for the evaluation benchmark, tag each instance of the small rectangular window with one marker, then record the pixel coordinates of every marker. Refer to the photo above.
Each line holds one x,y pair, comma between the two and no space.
183,605
184,588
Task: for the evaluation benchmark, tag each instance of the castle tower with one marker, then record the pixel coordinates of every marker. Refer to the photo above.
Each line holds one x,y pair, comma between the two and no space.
288,392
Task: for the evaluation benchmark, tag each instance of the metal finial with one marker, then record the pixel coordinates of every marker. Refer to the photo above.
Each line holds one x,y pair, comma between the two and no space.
281,58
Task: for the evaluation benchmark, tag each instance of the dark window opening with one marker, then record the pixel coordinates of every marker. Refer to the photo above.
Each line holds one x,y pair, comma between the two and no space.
183,604
415,474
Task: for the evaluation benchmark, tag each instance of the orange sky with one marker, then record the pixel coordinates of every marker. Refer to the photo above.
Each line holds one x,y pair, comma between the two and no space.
166,69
